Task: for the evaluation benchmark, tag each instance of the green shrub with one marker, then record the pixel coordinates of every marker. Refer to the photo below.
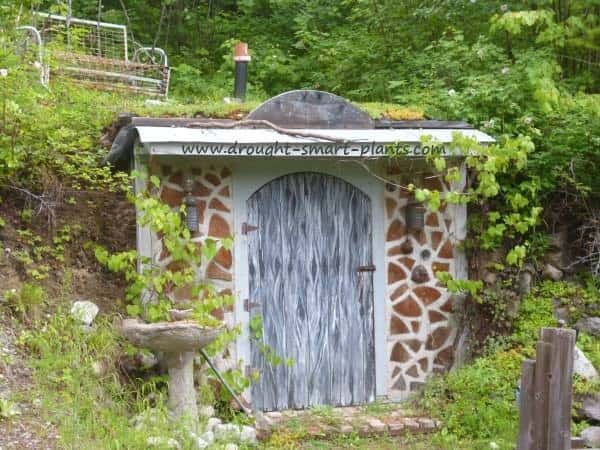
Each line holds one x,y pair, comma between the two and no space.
27,301
478,401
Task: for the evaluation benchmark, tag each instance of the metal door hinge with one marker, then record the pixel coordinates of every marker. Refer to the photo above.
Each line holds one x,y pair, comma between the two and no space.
367,268
246,228
248,305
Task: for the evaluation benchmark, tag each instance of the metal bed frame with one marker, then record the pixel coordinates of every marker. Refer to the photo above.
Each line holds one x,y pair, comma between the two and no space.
102,61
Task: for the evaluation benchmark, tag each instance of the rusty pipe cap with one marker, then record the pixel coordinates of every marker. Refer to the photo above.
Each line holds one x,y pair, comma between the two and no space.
240,52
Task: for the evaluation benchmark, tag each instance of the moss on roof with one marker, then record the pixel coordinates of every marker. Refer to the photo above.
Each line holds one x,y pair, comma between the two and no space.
223,110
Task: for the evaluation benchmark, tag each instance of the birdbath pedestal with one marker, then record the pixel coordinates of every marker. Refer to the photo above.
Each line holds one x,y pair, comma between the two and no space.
178,341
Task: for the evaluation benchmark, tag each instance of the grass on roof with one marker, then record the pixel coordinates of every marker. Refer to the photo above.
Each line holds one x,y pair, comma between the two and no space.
220,109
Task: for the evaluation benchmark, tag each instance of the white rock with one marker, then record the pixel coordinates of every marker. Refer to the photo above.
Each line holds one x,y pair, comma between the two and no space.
148,360
551,273
583,367
145,419
206,411
591,436
227,431
212,423
589,325
99,368
231,447
590,407
84,311
200,443
208,437
262,421
163,442
248,435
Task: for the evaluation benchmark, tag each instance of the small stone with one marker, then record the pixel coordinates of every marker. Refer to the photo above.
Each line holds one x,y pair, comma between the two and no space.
231,446
376,425
346,428
583,367
590,407
148,360
227,431
206,411
490,278
395,428
411,424
589,325
427,294
99,368
525,280
419,274
407,247
396,231
200,443
248,435
561,313
146,418
208,437
262,421
212,423
426,424
408,308
84,311
162,442
364,430
591,436
552,273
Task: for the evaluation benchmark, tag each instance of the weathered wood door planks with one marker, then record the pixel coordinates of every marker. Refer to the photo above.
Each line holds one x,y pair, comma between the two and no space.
314,231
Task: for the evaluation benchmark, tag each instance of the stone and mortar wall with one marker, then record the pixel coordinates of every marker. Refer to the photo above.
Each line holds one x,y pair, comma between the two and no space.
213,192
420,329
419,320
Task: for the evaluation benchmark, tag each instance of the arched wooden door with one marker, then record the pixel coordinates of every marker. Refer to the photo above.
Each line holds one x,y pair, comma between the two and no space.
310,274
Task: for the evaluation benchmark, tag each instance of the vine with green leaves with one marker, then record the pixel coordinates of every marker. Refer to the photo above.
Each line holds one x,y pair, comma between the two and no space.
150,293
506,198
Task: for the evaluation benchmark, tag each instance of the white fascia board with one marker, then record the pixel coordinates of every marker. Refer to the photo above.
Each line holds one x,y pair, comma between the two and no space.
327,143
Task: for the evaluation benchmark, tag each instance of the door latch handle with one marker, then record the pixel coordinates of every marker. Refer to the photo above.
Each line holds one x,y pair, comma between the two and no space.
249,304
367,268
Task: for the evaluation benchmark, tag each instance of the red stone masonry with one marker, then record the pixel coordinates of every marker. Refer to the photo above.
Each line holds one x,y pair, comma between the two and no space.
212,189
420,335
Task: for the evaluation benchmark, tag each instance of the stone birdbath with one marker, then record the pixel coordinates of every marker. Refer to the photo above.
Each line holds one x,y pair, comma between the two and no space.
178,341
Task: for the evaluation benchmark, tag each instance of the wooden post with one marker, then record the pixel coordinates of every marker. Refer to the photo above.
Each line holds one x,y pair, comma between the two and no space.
540,400
547,393
526,412
560,393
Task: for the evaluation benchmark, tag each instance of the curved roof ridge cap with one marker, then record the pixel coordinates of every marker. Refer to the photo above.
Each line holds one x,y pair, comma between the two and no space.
309,108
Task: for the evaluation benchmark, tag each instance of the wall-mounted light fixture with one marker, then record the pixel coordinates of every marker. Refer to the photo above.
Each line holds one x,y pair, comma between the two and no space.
191,203
415,215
